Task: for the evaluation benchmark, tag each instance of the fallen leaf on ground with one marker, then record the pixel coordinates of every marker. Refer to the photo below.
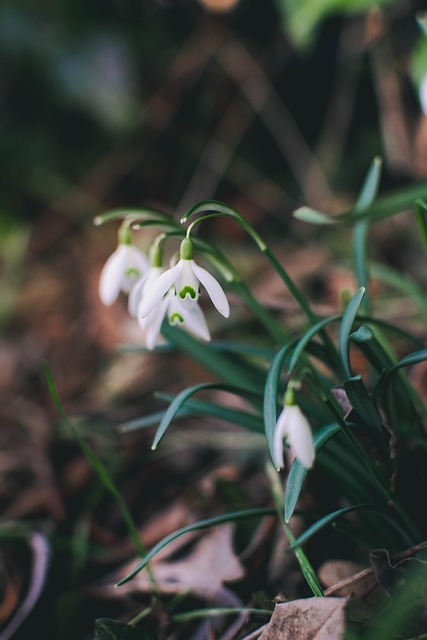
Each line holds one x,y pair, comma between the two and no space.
209,563
308,619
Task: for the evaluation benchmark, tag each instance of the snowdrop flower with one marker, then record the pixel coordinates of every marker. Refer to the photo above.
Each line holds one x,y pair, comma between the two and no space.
190,319
185,278
293,425
122,269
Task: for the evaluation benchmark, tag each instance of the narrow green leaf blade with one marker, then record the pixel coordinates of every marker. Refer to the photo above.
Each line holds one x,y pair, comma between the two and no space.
345,328
304,341
227,367
329,519
362,402
271,392
307,214
370,186
411,359
196,526
180,400
298,472
421,213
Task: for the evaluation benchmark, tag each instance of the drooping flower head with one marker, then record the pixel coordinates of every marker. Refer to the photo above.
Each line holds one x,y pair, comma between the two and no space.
123,268
185,279
294,426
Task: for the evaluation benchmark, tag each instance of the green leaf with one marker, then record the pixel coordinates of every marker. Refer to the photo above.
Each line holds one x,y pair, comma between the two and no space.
384,207
97,465
402,283
307,214
366,198
196,526
372,349
301,18
345,328
180,400
362,402
106,629
329,519
420,213
370,186
410,359
298,472
251,421
135,216
271,393
227,367
304,341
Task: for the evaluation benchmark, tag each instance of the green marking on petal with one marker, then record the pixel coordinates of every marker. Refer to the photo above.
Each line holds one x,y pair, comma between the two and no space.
187,289
132,271
176,318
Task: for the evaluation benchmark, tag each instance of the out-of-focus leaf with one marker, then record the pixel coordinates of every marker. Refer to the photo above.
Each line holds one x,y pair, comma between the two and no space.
383,207
410,359
366,198
99,75
421,213
40,564
308,619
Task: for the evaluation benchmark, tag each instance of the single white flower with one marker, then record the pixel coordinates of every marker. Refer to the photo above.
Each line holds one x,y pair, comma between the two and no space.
185,278
293,426
122,269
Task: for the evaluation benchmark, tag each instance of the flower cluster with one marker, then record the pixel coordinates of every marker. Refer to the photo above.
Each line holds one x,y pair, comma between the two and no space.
156,293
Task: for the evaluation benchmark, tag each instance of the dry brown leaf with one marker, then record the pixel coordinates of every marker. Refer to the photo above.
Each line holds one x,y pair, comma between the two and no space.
308,619
333,572
209,564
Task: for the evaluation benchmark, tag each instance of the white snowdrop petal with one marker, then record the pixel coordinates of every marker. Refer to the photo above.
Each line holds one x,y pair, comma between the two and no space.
110,282
300,438
154,293
194,321
137,259
135,296
279,434
187,284
213,288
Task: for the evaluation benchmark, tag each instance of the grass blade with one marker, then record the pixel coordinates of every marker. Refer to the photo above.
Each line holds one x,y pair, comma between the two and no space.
345,328
180,400
196,526
271,392
298,472
328,519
